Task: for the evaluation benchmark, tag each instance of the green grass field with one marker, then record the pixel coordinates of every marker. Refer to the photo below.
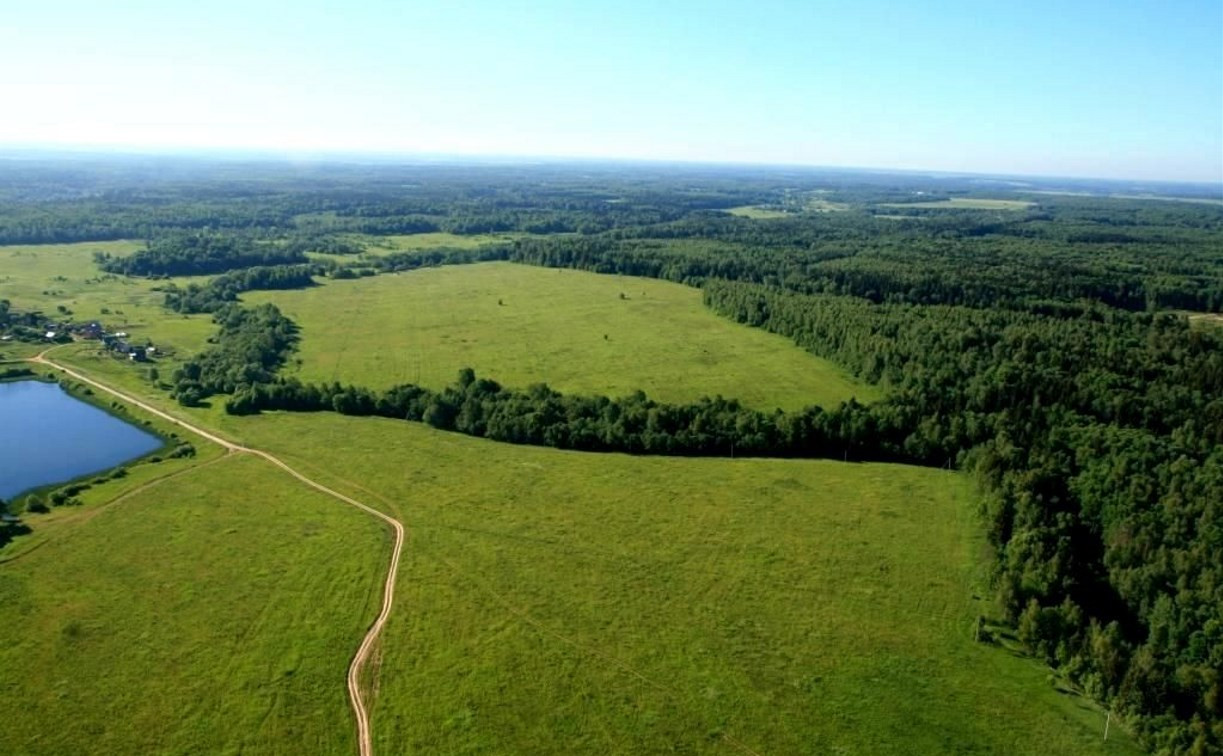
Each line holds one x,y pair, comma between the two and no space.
571,329
47,276
384,245
964,203
811,204
757,213
1160,197
561,602
405,242
213,613
1206,319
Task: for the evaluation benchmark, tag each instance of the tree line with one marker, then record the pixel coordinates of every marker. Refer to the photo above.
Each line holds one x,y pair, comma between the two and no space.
1098,442
225,288
634,424
251,345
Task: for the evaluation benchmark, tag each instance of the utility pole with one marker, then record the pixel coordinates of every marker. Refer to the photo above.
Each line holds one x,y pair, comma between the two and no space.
1108,718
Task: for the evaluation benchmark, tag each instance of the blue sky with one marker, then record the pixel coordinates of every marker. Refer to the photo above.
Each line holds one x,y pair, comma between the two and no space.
1126,89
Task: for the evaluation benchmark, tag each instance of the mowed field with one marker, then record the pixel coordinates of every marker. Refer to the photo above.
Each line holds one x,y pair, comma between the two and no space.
47,276
214,612
561,602
578,332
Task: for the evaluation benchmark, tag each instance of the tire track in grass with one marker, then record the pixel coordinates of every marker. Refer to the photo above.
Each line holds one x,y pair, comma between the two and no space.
524,616
356,700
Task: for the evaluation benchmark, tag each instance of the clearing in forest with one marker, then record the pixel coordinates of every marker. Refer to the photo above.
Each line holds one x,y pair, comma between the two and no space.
757,213
578,332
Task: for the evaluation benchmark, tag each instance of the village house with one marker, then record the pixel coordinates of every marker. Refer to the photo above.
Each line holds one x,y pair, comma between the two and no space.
89,331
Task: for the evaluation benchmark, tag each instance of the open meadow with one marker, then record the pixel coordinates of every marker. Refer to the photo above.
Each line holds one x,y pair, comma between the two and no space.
433,240
562,602
757,213
213,612
578,332
376,246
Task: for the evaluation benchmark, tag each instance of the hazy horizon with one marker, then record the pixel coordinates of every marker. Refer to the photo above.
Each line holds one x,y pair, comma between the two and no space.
1091,91
407,159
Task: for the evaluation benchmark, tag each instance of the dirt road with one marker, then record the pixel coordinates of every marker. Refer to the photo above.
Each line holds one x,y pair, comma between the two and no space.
388,591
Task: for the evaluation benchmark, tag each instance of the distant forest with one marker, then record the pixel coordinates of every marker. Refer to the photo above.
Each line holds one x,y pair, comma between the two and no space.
1043,348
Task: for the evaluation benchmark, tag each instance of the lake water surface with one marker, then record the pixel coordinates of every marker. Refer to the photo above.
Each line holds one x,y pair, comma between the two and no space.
49,436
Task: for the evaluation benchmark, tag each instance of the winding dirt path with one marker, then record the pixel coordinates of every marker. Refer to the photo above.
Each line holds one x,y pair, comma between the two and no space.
388,590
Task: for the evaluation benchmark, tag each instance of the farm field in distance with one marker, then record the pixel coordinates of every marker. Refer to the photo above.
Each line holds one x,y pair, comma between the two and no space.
578,332
965,203
758,213
563,602
407,242
384,245
215,611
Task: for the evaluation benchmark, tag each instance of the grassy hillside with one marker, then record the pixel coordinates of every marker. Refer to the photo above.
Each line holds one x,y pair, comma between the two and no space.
214,612
572,603
579,332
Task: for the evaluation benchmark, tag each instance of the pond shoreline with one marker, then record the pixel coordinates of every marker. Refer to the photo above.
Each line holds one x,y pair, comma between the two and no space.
17,503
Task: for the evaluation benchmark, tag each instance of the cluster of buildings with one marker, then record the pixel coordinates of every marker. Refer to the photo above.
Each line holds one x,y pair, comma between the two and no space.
115,342
92,330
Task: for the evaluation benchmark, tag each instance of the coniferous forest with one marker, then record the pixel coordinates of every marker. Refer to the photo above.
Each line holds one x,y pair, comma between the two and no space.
1062,351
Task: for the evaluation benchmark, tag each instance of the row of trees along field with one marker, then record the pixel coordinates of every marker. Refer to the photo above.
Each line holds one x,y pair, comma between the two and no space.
225,288
634,424
1027,345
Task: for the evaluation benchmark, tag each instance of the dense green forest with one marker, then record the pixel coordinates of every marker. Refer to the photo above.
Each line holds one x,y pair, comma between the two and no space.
1040,347
199,253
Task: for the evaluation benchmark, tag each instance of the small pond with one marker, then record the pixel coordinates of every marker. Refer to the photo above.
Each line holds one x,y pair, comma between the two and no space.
48,436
